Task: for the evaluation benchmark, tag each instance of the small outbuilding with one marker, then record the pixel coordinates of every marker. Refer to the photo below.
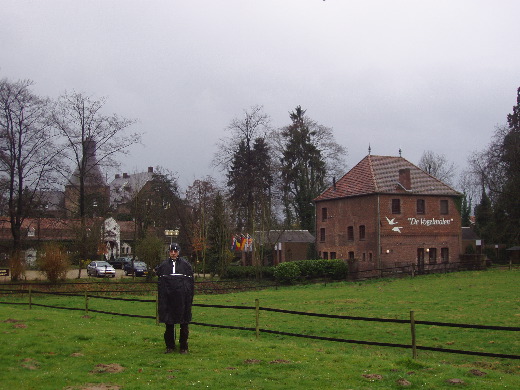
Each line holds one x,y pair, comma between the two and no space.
513,254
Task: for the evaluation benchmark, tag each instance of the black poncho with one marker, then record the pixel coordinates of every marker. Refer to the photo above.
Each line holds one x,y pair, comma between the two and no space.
175,291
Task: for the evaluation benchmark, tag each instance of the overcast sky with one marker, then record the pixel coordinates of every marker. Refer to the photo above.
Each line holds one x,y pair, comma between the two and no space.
412,74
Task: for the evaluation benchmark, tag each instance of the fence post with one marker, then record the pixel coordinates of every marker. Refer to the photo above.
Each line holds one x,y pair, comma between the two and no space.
413,270
157,308
257,314
30,297
412,326
86,301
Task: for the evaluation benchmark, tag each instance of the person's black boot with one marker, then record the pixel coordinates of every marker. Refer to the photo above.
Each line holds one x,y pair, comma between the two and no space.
169,338
183,340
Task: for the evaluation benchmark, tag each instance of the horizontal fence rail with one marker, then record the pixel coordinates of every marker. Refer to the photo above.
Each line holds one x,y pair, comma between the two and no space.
257,308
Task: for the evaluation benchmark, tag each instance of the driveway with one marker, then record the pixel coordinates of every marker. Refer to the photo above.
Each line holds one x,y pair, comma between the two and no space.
71,274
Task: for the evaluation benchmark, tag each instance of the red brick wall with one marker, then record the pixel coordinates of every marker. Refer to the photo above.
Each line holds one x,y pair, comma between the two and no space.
401,234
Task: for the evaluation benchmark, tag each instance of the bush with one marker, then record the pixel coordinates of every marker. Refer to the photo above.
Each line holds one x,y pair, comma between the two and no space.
290,272
248,272
287,273
53,262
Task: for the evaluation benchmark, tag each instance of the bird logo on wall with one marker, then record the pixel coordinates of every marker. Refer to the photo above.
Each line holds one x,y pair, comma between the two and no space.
394,222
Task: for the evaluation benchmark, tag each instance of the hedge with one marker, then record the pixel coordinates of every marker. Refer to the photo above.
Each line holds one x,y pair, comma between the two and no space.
294,271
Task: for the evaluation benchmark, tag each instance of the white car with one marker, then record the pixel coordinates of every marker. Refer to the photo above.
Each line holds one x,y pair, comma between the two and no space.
101,269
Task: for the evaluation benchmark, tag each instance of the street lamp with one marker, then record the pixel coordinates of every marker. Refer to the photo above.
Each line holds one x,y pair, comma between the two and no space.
171,233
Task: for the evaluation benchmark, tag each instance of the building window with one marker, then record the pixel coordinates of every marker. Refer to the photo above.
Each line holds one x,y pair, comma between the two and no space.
322,234
332,255
326,255
445,255
396,206
444,206
370,257
323,214
361,232
421,207
364,257
432,255
350,233
351,255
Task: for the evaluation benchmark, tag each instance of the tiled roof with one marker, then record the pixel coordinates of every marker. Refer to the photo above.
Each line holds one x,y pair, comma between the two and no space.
274,236
59,229
124,187
380,174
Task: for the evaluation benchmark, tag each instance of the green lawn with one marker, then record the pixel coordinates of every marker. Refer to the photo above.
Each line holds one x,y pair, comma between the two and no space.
45,348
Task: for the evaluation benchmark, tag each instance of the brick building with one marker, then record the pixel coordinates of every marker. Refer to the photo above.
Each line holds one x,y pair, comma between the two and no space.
386,212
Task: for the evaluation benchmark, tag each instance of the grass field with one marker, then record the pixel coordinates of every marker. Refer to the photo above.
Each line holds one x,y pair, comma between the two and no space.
46,348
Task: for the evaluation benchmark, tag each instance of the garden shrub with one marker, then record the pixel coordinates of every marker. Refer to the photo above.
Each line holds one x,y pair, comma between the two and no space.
287,273
248,272
53,262
290,272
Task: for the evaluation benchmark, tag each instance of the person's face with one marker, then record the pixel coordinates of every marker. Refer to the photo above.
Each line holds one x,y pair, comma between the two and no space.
174,254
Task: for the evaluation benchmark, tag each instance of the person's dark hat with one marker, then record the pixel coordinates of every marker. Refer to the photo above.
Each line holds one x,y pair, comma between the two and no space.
174,247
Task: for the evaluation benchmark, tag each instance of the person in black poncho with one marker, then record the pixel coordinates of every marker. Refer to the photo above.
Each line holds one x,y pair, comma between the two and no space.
176,288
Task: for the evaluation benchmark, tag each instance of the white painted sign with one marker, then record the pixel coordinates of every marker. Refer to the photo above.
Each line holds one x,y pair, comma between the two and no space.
419,222
430,222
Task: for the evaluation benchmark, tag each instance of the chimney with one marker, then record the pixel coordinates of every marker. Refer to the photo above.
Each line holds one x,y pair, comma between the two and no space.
125,175
150,169
117,176
404,179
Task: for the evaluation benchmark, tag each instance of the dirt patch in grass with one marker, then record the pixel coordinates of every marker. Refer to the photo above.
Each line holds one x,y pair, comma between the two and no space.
252,361
11,321
95,386
455,381
113,368
279,361
373,377
30,364
403,382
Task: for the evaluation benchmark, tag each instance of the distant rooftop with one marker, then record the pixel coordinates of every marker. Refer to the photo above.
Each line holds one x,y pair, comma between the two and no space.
384,174
274,236
124,186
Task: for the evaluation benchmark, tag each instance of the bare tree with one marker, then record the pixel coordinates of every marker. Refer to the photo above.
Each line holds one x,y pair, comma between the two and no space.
246,158
91,140
26,154
254,124
200,198
438,166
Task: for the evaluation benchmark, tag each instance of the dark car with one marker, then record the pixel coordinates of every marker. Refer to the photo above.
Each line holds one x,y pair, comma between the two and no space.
120,262
139,268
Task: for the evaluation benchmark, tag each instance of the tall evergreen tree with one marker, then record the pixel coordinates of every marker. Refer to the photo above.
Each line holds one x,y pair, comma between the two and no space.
498,169
484,218
249,172
303,171
466,211
507,208
219,238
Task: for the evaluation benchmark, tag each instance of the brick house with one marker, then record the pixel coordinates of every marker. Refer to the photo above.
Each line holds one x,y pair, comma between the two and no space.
386,212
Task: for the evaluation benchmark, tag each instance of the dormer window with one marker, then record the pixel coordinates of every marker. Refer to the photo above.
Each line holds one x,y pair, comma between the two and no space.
31,232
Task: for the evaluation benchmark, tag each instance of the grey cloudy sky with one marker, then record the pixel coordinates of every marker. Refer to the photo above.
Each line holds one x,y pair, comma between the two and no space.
412,74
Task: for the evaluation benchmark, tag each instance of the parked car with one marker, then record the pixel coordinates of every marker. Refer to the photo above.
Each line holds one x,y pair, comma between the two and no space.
139,268
101,269
120,262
